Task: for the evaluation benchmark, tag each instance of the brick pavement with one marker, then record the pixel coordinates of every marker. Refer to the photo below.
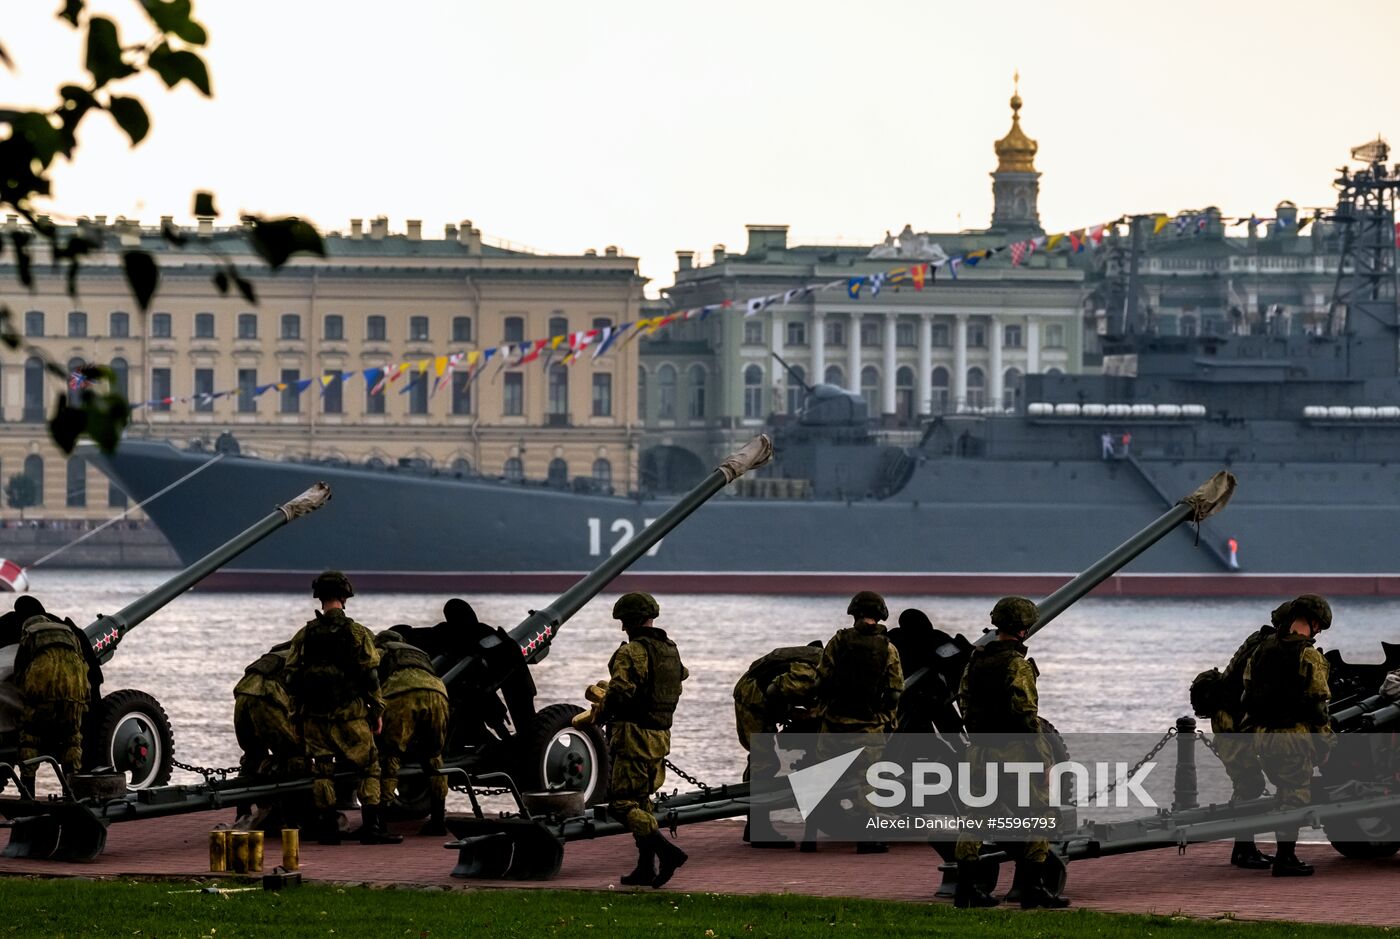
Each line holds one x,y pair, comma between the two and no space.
1201,883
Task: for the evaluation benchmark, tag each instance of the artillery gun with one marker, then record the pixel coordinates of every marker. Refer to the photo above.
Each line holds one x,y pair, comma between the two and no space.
127,730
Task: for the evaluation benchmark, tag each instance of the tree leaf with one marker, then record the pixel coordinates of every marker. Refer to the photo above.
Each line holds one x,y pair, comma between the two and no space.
66,425
221,282
72,9
23,268
177,65
278,239
5,58
245,288
8,334
104,52
204,205
131,117
77,101
143,275
35,129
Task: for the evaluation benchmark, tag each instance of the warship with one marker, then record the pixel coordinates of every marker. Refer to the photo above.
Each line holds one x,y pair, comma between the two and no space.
986,502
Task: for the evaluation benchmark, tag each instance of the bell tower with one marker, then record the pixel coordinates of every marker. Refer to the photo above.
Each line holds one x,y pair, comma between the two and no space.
1016,184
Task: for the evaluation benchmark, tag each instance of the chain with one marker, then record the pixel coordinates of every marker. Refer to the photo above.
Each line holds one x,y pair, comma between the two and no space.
467,790
1210,745
687,777
208,772
1166,738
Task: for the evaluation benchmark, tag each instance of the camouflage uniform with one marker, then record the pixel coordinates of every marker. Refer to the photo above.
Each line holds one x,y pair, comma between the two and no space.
774,687
53,682
415,715
1234,747
262,720
859,681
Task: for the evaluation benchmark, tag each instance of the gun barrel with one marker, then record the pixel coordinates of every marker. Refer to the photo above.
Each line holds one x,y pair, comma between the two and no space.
107,631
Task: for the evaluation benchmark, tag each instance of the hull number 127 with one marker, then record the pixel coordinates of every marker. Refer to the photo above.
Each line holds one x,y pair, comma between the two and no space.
623,531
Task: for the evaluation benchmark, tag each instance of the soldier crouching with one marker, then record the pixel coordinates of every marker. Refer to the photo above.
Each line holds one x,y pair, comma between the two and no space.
53,684
415,723
263,725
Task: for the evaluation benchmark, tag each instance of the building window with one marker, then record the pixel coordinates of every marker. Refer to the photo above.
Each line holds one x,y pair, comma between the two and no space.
797,377
976,388
418,393
1055,333
602,394
291,326
869,331
976,335
940,335
461,393
374,403
77,483
461,329
559,390
204,390
753,391
904,334
1011,336
904,393
34,323
291,401
698,378
116,499
417,329
602,322
332,392
160,325
939,401
204,326
77,324
34,469
375,330
797,333
513,329
119,325
160,389
558,326
514,469
34,389
558,473
666,393
641,393
835,333
247,385
753,332
513,395
834,376
602,474
461,467
247,325
334,327
1012,386
870,388
121,373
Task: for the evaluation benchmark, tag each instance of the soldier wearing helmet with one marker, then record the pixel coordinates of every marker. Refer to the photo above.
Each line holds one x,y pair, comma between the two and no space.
415,722
332,676
1286,704
998,696
643,687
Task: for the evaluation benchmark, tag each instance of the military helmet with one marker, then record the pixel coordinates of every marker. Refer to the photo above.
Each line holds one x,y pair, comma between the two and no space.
1014,614
332,585
636,606
1280,617
387,635
870,604
1313,608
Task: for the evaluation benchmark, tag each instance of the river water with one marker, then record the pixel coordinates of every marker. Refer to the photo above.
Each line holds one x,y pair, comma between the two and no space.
1120,665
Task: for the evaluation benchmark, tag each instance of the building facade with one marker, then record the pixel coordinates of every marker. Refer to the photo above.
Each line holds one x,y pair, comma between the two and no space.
378,300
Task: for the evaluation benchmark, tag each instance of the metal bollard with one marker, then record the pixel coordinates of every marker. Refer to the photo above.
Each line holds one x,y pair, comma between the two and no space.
1184,789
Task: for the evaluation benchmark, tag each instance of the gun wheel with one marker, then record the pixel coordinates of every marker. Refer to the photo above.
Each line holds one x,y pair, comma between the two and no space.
556,755
133,736
1364,838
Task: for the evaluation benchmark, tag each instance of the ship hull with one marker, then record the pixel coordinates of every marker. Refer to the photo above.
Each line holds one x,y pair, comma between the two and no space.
959,526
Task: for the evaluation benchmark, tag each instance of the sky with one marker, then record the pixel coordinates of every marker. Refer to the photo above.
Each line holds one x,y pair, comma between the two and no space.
660,126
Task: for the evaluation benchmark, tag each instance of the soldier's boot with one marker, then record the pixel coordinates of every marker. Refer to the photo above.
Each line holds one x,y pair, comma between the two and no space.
1245,855
328,827
1018,884
645,872
1035,894
760,833
373,830
1286,863
669,858
437,821
967,895
809,839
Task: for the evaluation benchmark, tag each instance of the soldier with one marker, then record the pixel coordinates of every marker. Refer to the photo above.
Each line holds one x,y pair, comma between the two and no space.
1285,702
998,696
777,689
415,722
52,677
332,674
263,724
1219,696
644,684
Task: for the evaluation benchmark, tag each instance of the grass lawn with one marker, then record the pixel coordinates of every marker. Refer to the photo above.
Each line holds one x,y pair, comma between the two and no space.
171,909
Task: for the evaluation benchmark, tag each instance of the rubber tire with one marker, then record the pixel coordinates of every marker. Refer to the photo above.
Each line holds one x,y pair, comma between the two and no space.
532,743
415,800
1351,840
118,707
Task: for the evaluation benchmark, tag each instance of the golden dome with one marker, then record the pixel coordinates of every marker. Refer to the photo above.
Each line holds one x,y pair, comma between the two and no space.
1016,151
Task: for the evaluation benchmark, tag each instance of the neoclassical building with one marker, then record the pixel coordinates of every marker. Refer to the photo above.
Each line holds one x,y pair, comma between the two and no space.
381,298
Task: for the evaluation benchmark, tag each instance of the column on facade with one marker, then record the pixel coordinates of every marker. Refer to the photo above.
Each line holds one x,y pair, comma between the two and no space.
779,382
887,365
853,363
995,379
818,341
960,361
1032,345
925,365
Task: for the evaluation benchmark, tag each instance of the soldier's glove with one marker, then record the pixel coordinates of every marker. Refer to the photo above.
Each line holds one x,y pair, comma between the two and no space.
594,694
